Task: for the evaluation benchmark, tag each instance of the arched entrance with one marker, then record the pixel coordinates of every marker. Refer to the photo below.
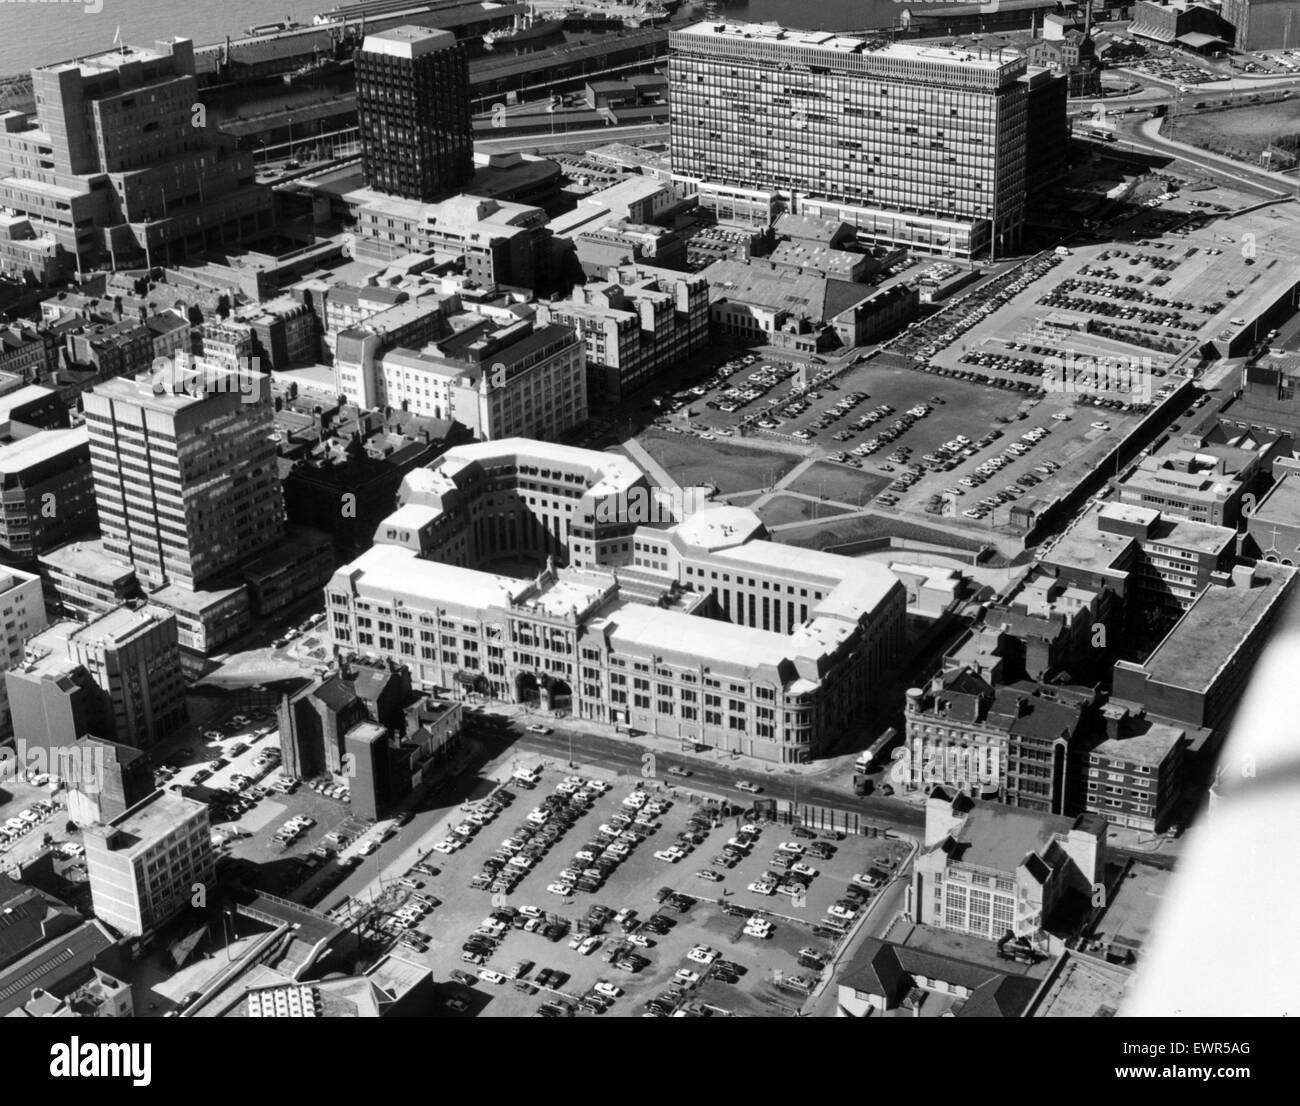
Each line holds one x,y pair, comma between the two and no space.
557,695
527,689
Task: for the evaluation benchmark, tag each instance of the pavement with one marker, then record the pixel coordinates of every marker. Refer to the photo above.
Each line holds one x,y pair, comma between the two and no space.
647,757
642,457
875,921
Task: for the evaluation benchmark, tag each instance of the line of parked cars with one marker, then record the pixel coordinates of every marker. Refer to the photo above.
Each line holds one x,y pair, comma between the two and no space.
293,829
25,821
611,844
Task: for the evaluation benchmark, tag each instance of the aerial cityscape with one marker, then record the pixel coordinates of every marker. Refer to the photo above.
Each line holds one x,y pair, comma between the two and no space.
622,508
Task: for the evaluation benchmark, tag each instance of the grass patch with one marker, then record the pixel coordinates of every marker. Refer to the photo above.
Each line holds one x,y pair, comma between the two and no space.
783,509
833,481
1250,129
861,528
732,468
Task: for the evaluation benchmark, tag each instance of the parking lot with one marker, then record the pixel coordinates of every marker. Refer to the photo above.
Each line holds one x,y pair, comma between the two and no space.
589,843
232,764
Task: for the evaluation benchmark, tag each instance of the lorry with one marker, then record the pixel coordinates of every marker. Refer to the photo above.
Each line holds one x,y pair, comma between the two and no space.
874,757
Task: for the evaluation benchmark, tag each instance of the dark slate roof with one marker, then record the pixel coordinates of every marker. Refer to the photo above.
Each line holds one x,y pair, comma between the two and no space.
335,693
887,969
54,965
27,917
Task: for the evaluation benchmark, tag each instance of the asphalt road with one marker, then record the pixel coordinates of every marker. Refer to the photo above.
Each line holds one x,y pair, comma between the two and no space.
623,755
1238,175
574,140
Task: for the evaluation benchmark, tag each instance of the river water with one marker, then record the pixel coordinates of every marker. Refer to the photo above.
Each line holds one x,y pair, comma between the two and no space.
38,33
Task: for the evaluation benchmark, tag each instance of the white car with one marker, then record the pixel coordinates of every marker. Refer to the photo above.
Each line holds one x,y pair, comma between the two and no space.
531,911
763,887
745,785
448,846
840,912
758,928
562,889
607,989
791,847
1100,425
686,976
863,880
804,869
639,941
636,800
487,975
669,856
537,727
702,954
590,945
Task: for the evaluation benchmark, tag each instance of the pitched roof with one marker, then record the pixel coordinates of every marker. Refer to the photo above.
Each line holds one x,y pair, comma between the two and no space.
27,918
57,963
886,969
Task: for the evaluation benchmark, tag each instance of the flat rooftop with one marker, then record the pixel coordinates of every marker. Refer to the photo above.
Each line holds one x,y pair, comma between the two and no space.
1087,546
177,598
718,527
408,42
29,393
1280,504
672,634
386,571
111,60
1148,747
1213,629
831,43
44,445
120,623
14,577
153,818
609,472
1083,987
1130,917
566,594
191,386
1000,837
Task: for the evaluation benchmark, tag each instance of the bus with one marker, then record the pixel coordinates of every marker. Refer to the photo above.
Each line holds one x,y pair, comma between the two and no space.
876,756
